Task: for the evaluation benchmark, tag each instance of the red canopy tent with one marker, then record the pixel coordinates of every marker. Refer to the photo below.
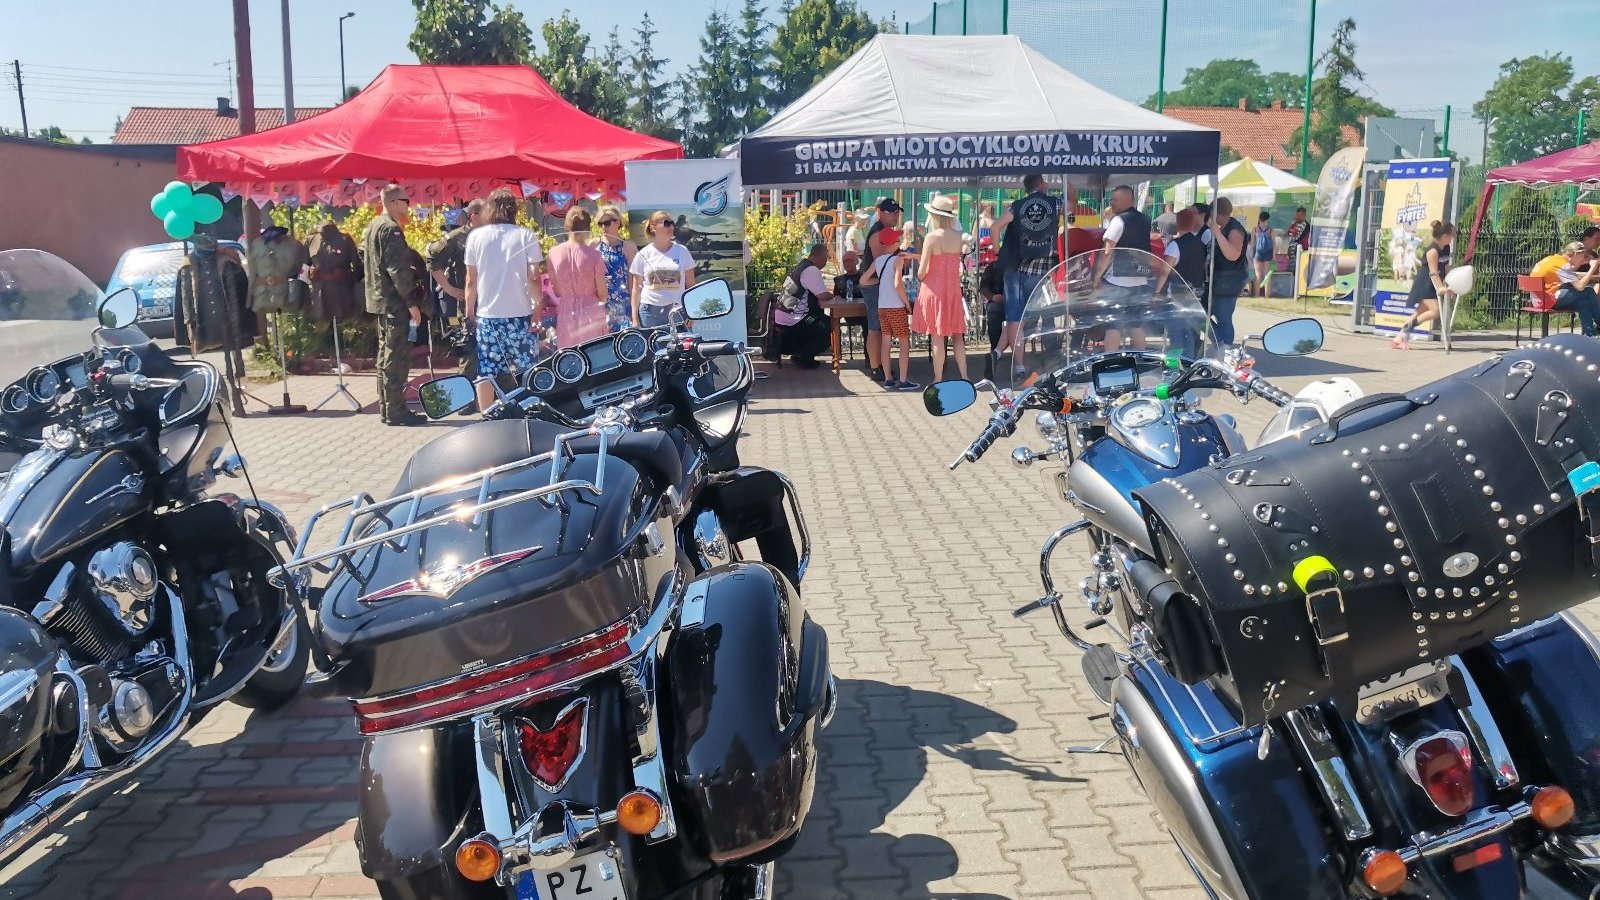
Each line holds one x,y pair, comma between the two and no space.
1579,166
443,131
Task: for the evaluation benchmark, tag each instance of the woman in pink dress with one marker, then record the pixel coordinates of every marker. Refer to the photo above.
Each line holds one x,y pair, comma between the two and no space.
578,277
941,312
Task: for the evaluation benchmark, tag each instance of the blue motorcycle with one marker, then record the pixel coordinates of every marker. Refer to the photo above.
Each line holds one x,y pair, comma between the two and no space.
1471,776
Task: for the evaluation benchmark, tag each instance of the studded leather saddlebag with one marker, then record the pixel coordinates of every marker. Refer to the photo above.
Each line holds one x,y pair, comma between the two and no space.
1410,528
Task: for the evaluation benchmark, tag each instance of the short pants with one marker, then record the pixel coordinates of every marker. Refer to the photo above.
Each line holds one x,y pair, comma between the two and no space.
505,346
652,316
895,323
869,293
1019,290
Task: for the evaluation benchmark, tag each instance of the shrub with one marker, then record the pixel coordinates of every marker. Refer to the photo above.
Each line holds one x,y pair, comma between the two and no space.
776,242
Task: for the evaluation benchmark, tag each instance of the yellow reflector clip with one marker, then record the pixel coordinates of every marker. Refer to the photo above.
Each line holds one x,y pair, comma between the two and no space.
1310,567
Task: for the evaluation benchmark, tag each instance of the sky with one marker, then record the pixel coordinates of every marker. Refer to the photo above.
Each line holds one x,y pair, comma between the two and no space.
84,62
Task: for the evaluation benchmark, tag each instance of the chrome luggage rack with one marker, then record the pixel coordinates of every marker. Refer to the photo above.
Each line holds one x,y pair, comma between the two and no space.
364,508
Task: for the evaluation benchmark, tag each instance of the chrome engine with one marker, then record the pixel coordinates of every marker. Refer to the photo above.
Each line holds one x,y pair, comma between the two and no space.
124,578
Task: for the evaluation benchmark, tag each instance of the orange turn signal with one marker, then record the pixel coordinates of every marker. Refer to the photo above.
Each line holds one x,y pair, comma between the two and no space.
1552,807
638,812
478,860
1384,871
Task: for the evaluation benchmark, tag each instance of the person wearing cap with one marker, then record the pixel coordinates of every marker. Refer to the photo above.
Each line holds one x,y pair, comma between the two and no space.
393,287
1570,277
855,237
446,257
879,244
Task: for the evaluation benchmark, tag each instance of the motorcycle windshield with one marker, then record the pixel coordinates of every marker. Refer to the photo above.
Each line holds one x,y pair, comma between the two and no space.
1108,300
48,311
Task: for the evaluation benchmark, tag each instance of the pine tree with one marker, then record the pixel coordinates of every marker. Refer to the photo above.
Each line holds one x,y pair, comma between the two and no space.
648,109
751,65
1336,102
611,88
566,62
716,90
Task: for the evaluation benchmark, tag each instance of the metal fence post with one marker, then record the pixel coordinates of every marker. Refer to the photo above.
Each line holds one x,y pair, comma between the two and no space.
1161,71
963,18
1447,129
1311,59
935,27
1005,16
1572,192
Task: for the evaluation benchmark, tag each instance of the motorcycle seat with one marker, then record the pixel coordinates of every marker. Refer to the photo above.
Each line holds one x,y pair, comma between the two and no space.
483,445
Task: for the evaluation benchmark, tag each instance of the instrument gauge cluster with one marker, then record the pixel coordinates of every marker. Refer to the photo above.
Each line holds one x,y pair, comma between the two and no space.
131,364
1140,412
14,400
42,384
632,346
571,366
543,381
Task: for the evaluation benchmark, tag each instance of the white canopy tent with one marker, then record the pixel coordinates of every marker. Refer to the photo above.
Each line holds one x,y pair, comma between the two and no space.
914,110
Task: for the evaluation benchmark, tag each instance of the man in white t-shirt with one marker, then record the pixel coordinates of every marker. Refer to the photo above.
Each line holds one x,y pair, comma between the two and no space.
662,270
502,260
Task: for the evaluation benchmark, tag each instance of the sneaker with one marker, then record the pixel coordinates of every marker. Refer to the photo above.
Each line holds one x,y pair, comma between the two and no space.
908,386
876,374
889,384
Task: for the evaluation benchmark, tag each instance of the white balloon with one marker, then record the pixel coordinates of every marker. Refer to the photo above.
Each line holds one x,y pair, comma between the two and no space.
1459,280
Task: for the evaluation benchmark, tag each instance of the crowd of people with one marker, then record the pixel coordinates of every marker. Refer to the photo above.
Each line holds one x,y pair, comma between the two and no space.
495,274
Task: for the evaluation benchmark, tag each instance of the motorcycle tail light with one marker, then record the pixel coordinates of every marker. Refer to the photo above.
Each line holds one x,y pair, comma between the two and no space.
550,753
1442,766
1383,871
518,680
1552,807
1488,853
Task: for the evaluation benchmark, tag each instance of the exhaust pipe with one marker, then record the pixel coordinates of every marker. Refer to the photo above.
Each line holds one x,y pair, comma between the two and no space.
51,805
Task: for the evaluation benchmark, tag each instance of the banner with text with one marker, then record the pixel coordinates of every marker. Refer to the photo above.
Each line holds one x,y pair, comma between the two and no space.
1416,196
705,200
1330,216
972,157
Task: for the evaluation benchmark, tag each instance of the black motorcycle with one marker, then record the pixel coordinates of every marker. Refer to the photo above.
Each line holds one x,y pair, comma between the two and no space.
131,599
573,685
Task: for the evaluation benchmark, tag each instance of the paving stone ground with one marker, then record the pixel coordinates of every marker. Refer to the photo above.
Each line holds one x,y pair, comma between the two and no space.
945,773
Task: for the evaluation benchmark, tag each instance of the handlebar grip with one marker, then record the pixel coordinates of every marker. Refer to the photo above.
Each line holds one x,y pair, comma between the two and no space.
998,427
708,349
127,382
1270,392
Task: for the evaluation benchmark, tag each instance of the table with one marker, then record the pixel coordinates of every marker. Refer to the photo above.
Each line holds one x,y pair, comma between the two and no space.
838,311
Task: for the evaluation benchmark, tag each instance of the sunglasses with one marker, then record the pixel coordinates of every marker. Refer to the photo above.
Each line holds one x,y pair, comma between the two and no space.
605,222
672,225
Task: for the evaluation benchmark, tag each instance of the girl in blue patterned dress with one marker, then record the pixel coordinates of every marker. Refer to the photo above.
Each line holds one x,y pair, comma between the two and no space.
617,251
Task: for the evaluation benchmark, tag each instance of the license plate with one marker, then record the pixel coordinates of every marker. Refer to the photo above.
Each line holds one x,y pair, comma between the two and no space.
1416,687
593,876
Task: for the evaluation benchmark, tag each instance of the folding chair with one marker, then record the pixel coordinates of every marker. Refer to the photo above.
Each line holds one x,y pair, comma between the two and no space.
1541,303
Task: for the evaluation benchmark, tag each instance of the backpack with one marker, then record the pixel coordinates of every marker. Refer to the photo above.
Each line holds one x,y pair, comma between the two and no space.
1264,243
1037,217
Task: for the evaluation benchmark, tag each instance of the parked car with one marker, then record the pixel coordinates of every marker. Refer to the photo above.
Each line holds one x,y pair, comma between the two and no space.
152,272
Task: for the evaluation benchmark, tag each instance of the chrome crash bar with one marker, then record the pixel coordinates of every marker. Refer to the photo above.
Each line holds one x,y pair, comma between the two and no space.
363,508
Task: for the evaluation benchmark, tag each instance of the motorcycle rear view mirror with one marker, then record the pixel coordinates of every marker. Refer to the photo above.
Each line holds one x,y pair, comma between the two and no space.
120,309
447,396
1296,337
946,397
708,300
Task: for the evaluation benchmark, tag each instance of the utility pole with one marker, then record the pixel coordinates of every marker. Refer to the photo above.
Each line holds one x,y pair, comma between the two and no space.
288,70
1161,72
1311,61
247,102
22,103
344,86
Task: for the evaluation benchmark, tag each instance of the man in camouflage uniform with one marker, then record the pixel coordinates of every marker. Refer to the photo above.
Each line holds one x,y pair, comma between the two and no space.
393,284
447,261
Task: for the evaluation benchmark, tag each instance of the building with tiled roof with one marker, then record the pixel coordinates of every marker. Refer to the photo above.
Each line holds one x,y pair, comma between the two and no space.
1264,135
173,125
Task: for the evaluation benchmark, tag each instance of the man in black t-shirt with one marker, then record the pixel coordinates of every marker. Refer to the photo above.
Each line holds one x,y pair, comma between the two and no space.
1032,227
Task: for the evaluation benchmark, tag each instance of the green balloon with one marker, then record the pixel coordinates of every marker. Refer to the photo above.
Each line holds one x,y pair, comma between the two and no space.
179,225
178,195
205,209
160,206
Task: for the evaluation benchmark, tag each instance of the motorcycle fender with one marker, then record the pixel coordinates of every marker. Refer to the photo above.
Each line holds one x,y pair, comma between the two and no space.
748,676
749,503
418,792
1540,682
1249,826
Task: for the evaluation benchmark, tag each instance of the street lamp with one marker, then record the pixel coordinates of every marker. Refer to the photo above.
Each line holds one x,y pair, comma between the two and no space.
343,88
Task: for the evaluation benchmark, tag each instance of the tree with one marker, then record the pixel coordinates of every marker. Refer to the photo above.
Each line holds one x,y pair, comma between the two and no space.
716,89
1224,82
53,134
1336,102
1535,106
350,92
469,32
566,63
750,65
611,93
812,38
648,111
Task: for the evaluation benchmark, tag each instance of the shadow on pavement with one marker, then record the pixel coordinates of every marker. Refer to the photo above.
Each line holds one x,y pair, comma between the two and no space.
897,727
1309,366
